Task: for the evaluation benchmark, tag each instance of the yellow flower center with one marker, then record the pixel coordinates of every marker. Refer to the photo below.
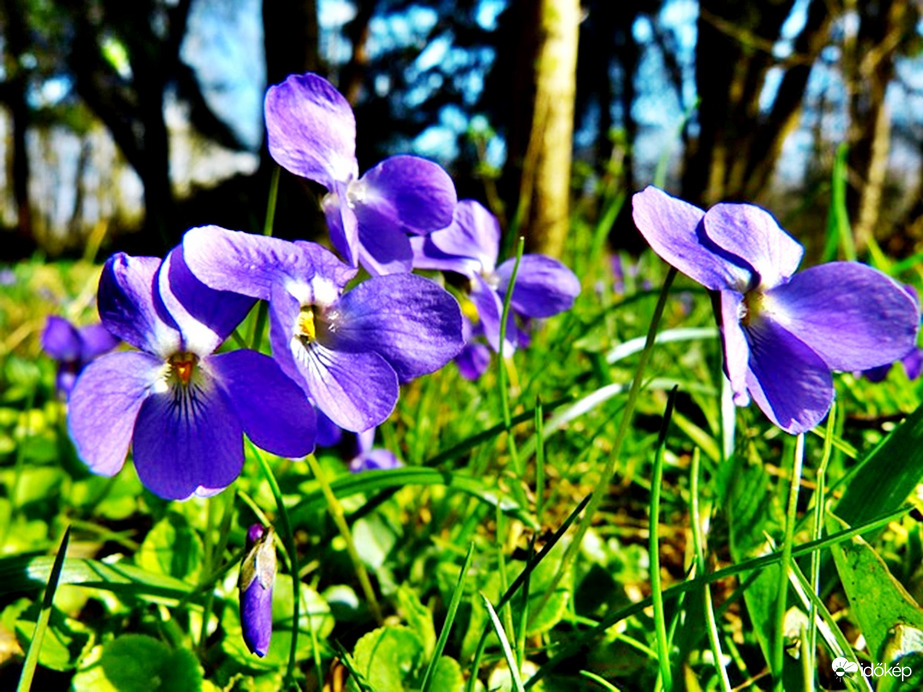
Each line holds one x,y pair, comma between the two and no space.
182,366
751,307
305,329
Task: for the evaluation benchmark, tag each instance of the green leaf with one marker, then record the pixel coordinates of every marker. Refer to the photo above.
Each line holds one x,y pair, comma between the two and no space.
880,603
26,573
881,484
418,617
172,548
388,658
447,675
369,482
138,662
64,642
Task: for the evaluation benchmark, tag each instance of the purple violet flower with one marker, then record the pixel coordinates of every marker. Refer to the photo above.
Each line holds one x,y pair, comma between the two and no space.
783,332
544,287
348,351
312,133
73,348
257,574
183,409
371,458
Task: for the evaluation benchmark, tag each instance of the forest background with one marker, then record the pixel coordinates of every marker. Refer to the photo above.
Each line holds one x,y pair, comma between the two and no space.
111,109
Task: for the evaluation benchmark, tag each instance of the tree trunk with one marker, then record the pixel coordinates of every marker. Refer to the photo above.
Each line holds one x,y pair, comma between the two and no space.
290,33
545,187
869,56
738,144
14,95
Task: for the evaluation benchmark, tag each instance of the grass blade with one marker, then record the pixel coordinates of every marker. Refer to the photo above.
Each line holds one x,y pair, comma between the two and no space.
505,644
449,619
35,646
663,646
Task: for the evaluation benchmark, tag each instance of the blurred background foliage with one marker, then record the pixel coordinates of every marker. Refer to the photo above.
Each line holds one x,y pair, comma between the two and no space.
124,123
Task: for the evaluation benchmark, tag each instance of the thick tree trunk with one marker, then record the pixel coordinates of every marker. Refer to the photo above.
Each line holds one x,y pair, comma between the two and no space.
545,188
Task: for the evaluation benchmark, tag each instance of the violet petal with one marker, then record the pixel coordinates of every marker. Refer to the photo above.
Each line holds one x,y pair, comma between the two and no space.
242,263
407,193
274,411
474,233
851,315
753,235
96,340
104,404
410,321
671,228
311,129
736,350
188,441
356,391
426,255
127,305
473,361
790,383
544,287
206,317
60,339
342,224
384,250
490,310
256,617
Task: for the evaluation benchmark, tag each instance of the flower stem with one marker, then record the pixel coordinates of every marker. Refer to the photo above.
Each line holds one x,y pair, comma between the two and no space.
504,393
778,648
288,539
339,518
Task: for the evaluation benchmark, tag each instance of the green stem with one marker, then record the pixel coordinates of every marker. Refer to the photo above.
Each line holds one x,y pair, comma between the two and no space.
698,541
817,531
271,201
663,645
504,394
339,518
778,649
288,539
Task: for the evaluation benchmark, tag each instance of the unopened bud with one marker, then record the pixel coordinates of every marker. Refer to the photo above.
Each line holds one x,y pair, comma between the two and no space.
257,574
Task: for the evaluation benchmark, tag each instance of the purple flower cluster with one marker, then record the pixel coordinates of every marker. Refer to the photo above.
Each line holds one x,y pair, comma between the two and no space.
783,332
182,408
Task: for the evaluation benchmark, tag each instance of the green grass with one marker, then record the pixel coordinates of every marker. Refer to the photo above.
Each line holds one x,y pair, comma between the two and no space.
550,526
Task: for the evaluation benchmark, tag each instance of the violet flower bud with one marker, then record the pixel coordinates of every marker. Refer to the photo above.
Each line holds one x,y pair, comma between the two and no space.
257,573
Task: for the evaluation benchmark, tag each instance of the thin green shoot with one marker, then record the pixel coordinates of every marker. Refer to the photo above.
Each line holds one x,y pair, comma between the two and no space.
663,646
454,602
698,542
41,625
504,644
